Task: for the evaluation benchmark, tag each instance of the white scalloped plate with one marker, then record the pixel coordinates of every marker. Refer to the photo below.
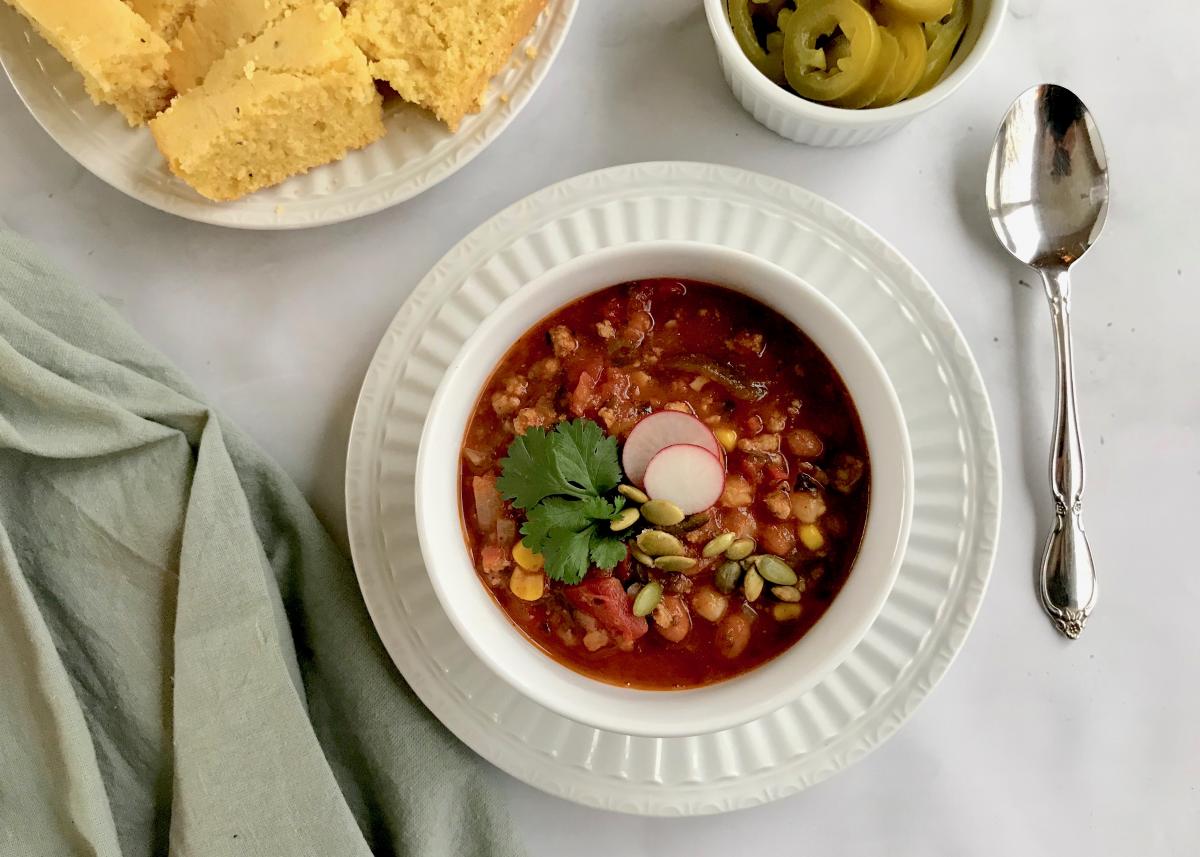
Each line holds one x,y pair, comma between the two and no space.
955,522
416,153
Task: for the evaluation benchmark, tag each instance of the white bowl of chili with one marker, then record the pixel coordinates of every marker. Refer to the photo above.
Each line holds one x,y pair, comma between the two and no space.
512,642
818,124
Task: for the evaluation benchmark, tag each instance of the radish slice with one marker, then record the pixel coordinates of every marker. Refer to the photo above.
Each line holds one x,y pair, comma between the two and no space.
658,431
689,476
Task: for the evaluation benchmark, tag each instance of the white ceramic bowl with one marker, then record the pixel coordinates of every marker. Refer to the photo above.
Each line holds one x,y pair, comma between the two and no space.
485,627
791,116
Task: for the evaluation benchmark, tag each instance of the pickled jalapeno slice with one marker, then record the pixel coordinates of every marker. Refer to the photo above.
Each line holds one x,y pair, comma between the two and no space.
850,53
941,40
889,55
920,11
806,66
741,20
910,66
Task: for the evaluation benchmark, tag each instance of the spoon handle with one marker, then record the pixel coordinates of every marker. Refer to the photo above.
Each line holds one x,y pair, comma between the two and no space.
1067,581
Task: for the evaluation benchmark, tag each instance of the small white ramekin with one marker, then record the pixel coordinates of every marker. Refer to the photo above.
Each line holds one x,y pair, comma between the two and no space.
510,654
795,118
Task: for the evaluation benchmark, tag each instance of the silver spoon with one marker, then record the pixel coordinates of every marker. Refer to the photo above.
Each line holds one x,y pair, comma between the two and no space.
1047,195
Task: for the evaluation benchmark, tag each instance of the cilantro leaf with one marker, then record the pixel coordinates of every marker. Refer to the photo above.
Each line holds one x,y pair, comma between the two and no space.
607,551
566,554
586,458
560,478
527,473
553,513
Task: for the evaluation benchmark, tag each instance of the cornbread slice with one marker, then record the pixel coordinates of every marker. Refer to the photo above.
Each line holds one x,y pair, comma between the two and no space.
123,61
163,16
442,54
298,96
215,26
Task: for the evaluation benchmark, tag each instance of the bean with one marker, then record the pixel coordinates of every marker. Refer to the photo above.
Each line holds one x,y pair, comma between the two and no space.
647,598
672,619
662,513
710,604
774,570
658,543
727,576
632,493
733,635
739,549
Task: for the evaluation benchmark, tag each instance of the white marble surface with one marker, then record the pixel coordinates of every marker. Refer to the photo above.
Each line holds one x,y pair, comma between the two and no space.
1031,745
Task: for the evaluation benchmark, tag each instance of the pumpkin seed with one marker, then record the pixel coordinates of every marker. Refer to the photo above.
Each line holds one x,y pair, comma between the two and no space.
642,558
752,586
786,593
718,545
634,589
727,577
692,522
739,549
658,543
632,493
775,570
675,563
662,513
786,612
647,598
625,519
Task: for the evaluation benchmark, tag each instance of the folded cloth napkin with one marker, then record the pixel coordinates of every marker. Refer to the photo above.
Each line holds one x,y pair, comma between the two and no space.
186,667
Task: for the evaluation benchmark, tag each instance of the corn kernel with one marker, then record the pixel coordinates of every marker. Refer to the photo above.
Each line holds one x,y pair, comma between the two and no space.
527,585
786,612
811,537
526,558
727,437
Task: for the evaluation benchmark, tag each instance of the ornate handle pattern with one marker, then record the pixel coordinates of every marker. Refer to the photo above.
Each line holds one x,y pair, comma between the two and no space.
1067,582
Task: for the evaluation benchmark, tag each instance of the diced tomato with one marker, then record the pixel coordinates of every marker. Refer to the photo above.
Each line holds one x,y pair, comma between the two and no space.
776,472
493,558
605,599
585,398
640,296
623,569
590,363
752,467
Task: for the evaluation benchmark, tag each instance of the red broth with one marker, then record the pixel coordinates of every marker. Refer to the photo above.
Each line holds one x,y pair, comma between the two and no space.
799,465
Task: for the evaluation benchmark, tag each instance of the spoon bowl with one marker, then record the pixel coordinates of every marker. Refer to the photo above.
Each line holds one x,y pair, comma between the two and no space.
1047,197
1047,179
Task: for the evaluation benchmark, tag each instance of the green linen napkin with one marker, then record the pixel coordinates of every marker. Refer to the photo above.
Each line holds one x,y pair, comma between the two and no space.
186,666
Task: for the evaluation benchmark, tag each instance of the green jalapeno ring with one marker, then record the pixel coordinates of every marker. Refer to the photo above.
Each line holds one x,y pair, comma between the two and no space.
805,65
942,38
742,23
910,66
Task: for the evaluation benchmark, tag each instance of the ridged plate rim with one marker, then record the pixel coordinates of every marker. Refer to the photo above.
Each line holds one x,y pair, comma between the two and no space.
364,182
568,759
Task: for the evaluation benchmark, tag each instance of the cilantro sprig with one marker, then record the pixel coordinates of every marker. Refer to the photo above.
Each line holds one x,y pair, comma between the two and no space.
563,480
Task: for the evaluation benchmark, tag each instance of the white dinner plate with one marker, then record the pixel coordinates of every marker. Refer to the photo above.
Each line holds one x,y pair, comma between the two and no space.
416,153
955,521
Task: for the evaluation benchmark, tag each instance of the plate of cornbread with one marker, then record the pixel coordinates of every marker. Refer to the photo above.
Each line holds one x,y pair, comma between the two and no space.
277,114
